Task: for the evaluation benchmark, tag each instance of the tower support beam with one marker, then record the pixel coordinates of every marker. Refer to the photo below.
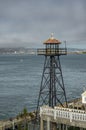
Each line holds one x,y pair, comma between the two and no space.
52,90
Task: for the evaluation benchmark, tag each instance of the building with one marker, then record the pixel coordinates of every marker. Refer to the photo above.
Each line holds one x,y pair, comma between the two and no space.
83,97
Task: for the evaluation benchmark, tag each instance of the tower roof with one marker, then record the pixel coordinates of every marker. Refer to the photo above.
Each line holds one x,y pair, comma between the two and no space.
52,40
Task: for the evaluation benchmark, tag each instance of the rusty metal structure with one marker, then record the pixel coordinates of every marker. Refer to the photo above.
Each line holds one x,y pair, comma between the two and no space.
52,90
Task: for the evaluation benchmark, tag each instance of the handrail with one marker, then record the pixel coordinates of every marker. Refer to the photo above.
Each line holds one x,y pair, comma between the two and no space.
65,113
52,51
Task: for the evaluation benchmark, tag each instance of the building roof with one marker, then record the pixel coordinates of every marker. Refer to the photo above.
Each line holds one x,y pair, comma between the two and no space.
52,40
84,93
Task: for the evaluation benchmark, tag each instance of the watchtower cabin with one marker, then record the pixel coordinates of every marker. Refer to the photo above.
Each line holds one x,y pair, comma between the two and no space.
52,48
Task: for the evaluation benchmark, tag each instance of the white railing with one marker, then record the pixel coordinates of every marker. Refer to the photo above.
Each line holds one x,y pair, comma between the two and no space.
65,113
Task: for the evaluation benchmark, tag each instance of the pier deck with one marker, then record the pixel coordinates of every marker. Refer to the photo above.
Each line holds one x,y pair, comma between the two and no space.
70,117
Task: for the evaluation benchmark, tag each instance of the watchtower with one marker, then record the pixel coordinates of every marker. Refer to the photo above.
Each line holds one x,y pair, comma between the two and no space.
52,90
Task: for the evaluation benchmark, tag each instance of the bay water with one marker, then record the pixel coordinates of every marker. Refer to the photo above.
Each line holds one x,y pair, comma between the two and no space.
20,78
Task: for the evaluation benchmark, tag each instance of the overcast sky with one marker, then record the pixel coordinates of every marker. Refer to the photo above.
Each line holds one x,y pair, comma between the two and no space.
30,22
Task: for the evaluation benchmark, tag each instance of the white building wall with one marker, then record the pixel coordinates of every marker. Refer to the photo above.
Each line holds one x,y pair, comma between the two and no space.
84,99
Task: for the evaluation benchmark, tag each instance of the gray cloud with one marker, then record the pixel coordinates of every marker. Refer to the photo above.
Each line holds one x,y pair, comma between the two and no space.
27,22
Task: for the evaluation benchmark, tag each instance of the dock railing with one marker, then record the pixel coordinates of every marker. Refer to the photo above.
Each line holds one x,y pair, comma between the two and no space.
65,113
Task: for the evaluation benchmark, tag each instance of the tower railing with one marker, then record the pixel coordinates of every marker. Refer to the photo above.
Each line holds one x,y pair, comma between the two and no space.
52,51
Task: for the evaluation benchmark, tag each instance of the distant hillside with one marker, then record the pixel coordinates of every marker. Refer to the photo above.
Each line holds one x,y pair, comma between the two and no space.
17,51
34,51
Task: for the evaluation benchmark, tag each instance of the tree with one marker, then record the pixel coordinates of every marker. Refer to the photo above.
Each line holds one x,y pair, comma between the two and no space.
25,113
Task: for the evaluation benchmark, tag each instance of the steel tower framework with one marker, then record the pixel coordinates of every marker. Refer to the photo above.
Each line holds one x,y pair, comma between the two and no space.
52,90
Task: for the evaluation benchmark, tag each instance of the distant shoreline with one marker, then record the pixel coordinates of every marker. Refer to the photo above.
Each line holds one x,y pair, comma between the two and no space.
77,52
33,51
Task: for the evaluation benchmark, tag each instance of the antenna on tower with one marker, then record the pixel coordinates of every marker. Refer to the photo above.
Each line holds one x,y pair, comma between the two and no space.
52,37
65,43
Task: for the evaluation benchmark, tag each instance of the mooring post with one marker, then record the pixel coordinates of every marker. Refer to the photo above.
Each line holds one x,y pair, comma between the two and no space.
41,124
66,127
48,124
63,126
59,126
3,126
